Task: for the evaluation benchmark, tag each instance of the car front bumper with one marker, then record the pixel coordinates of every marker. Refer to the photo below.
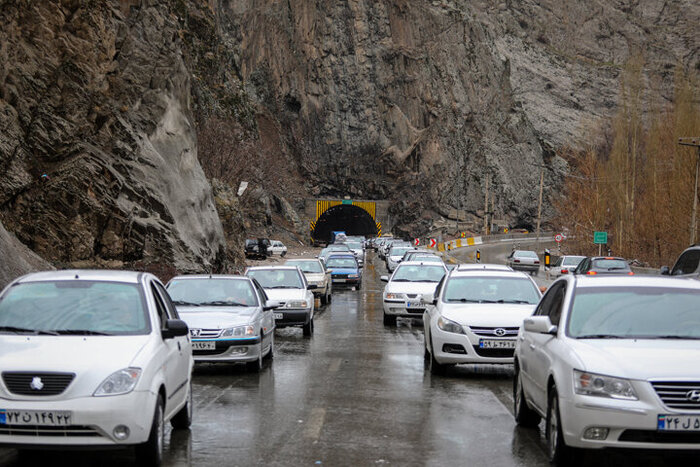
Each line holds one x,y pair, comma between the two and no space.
631,424
228,350
398,308
452,348
92,423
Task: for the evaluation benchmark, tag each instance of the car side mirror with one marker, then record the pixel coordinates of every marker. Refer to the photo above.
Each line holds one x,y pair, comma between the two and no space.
434,302
174,328
384,278
271,305
310,287
665,271
540,325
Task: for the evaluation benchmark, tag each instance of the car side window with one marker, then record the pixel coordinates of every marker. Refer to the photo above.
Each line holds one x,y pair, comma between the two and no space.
261,293
687,263
438,289
169,307
160,306
545,302
581,267
557,304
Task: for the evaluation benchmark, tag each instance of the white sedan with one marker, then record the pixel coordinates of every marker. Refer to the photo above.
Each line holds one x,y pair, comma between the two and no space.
612,362
476,315
92,359
411,285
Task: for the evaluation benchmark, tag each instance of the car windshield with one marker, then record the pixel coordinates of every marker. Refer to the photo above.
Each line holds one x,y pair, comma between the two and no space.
354,245
635,312
312,267
611,264
526,254
74,307
479,289
213,292
572,260
416,273
341,263
399,251
277,278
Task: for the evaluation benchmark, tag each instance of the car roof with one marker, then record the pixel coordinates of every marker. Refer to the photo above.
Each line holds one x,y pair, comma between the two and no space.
623,280
482,267
302,259
597,258
487,273
271,266
524,251
422,263
341,255
132,277
210,276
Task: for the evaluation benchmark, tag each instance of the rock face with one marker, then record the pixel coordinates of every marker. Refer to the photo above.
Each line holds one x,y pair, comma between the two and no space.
17,259
97,141
421,102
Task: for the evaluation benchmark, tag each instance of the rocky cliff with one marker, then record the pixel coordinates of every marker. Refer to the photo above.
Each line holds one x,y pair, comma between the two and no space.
97,139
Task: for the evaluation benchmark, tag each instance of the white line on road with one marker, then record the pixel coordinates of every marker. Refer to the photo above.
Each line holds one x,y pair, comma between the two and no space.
315,423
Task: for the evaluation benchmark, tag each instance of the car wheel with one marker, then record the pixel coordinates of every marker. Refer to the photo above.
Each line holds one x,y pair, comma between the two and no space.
256,365
308,328
271,353
389,320
436,367
524,415
329,299
150,453
324,299
558,452
183,419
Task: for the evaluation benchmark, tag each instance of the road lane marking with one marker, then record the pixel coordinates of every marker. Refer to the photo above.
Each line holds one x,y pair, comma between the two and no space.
315,423
209,404
335,365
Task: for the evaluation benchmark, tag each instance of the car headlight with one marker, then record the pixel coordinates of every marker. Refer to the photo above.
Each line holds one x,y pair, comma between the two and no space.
592,384
120,382
239,331
353,276
449,326
297,304
393,296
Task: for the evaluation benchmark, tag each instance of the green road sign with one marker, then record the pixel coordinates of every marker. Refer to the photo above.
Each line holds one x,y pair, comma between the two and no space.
347,201
600,238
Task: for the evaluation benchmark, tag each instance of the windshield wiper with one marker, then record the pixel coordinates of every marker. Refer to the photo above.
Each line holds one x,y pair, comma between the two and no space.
463,300
221,303
24,330
402,280
669,336
184,303
81,332
618,269
513,301
603,336
283,287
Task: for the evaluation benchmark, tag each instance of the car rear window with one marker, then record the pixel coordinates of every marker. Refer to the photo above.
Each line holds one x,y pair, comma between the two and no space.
341,262
313,267
277,278
611,264
526,254
76,307
212,292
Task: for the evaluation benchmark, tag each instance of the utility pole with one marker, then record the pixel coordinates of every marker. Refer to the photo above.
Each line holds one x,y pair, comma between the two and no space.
694,142
539,209
486,208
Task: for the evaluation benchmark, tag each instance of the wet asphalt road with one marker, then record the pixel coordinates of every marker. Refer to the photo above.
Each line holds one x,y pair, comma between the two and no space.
356,393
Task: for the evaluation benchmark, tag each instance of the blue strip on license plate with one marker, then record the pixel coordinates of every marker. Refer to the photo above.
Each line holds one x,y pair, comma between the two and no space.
3,417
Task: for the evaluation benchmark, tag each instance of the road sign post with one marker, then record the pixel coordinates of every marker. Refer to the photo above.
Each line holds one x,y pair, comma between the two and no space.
600,239
478,256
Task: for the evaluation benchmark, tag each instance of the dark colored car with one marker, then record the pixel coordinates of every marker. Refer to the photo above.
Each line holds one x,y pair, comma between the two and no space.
603,265
257,248
345,272
687,264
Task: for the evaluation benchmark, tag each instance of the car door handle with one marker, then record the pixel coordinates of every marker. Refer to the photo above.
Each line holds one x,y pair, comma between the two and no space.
532,346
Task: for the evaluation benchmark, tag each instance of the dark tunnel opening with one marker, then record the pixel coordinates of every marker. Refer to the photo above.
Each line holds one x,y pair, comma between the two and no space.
350,219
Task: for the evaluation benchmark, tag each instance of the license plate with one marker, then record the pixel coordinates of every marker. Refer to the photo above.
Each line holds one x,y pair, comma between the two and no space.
339,280
414,305
497,343
35,417
678,422
206,345
279,315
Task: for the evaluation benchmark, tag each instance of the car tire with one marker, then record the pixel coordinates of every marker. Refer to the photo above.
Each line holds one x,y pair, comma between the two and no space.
558,452
436,368
256,365
389,320
271,353
308,328
324,299
150,453
183,419
524,415
329,298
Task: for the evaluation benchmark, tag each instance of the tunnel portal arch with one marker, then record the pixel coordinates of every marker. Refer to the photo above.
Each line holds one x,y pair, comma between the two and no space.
351,219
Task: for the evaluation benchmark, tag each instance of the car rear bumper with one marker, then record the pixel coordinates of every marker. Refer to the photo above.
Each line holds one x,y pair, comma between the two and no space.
93,420
229,350
525,267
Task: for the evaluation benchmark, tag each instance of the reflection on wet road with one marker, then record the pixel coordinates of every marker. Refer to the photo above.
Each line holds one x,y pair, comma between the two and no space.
356,393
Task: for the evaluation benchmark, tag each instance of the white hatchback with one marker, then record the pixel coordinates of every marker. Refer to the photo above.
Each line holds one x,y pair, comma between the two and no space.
92,359
612,362
476,315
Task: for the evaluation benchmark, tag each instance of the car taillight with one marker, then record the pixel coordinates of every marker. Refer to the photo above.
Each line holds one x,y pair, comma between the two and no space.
591,273
516,260
537,262
565,271
630,273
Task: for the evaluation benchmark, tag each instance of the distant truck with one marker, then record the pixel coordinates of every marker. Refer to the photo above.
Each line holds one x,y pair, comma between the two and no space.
338,236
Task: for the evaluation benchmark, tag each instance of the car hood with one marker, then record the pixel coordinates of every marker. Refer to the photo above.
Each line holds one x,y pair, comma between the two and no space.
74,354
216,317
488,314
314,276
427,289
284,295
639,359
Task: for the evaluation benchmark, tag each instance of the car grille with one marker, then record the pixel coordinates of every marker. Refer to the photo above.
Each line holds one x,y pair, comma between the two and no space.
205,333
54,431
411,295
675,394
652,436
494,353
340,276
36,384
491,331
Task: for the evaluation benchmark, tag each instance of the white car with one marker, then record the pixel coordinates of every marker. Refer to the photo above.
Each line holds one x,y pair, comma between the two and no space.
229,317
277,248
410,287
394,256
288,286
524,260
92,359
318,277
358,250
476,315
612,362
565,265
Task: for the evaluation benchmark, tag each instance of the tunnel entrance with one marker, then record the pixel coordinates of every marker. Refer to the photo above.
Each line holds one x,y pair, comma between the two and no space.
350,219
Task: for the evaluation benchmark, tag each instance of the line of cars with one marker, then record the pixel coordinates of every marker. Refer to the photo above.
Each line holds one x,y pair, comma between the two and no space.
605,358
